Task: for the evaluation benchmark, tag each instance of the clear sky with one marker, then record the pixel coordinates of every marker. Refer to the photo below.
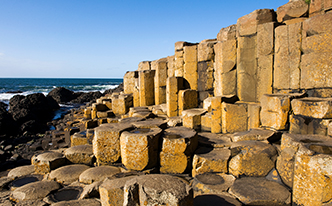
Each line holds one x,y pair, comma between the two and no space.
106,38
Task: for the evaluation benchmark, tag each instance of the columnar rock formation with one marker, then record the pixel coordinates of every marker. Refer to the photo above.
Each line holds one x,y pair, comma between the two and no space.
245,118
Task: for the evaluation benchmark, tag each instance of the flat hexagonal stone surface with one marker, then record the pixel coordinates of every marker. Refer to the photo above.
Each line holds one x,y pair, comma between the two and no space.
68,174
257,135
98,173
21,171
214,200
212,183
35,190
259,191
151,123
208,139
84,202
81,154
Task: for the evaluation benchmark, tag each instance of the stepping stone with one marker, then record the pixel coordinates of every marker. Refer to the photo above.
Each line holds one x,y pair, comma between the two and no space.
174,121
224,199
252,158
192,118
34,191
207,139
84,202
151,123
106,142
208,160
81,154
23,180
157,189
48,161
21,171
212,183
98,173
68,174
64,194
112,191
131,119
259,191
257,135
139,148
179,143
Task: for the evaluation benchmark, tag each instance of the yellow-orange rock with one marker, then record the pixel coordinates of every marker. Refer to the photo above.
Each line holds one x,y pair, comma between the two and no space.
146,87
191,118
207,160
106,142
234,117
187,99
47,161
313,107
139,148
81,154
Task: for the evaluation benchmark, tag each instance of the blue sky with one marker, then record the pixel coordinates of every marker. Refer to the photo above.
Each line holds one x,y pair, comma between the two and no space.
105,38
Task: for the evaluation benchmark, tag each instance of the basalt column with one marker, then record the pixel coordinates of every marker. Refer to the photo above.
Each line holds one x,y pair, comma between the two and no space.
160,66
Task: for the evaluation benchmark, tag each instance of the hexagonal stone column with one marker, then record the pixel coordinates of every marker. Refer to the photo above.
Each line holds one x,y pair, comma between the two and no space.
157,189
252,158
106,142
212,183
192,118
139,148
81,154
260,191
179,143
313,107
47,161
210,160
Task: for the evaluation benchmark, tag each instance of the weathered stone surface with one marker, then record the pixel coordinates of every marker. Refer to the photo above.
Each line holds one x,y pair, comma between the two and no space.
79,138
171,66
129,82
144,65
174,121
95,174
212,183
129,120
234,117
319,7
206,139
313,107
205,50
192,118
160,66
151,123
174,85
187,99
265,55
207,160
47,161
106,142
84,202
247,25
190,65
251,158
81,154
178,145
157,189
293,9
225,68
139,148
312,174
256,134
290,144
275,108
216,113
67,174
112,191
224,199
121,104
146,87
246,68
287,56
259,191
228,33
107,113
35,190
254,110
21,171
206,120
205,75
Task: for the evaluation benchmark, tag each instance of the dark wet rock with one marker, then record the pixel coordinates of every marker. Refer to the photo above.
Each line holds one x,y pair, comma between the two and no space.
31,112
117,89
61,95
14,92
83,97
7,124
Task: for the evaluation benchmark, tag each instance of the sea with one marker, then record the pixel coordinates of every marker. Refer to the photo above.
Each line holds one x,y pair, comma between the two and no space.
10,87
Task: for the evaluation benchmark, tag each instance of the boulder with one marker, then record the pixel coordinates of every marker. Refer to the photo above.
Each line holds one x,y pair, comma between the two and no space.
7,124
293,9
61,95
83,97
